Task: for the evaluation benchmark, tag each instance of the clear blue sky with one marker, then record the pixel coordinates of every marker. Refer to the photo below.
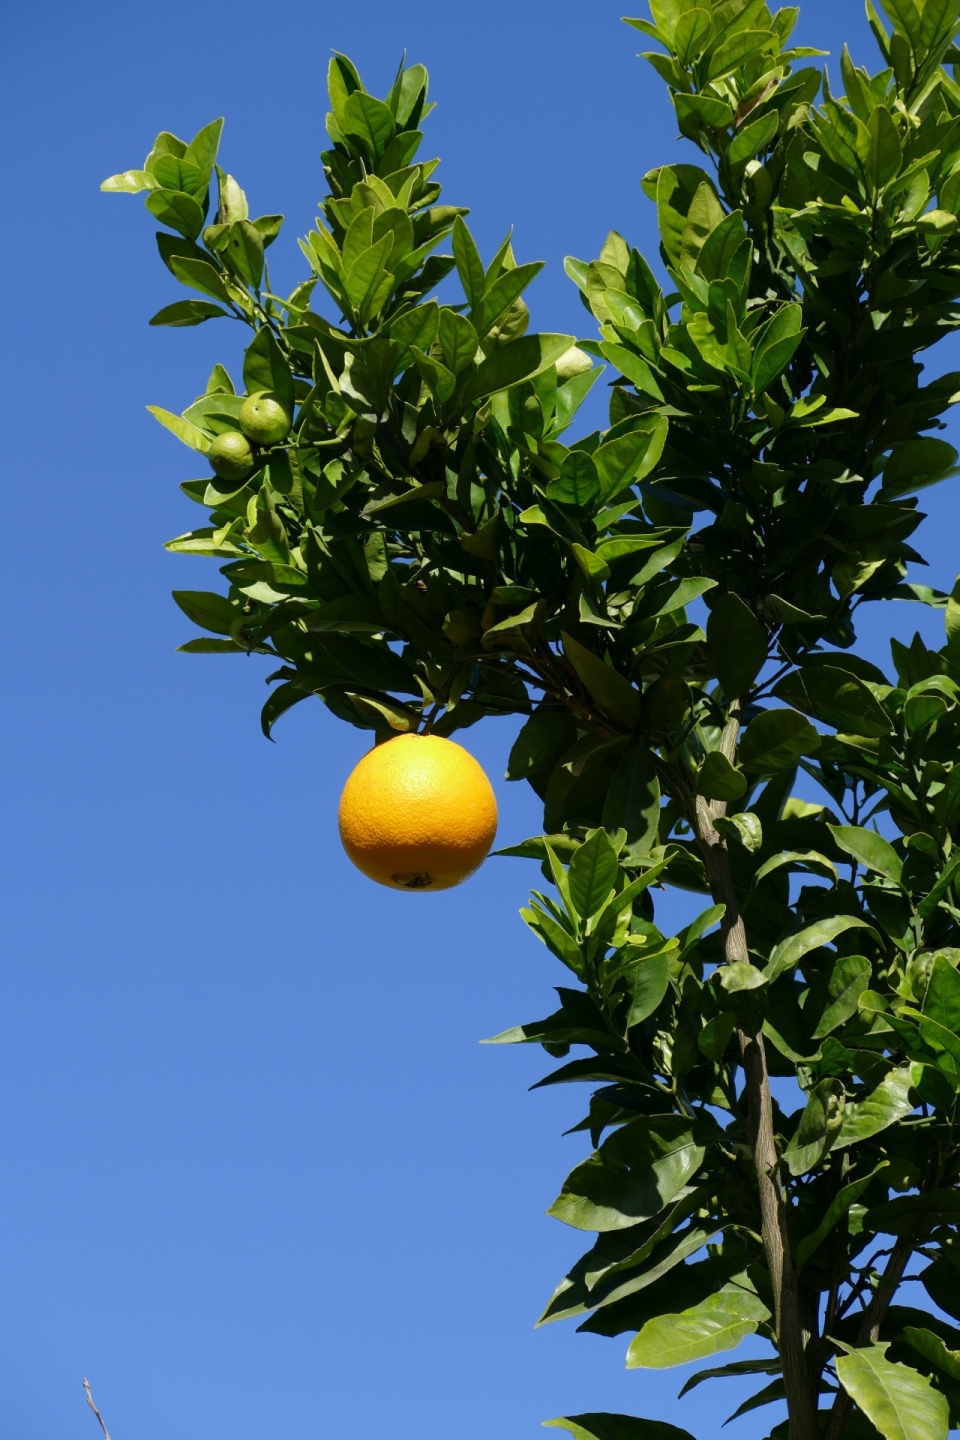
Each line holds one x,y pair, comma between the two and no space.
257,1177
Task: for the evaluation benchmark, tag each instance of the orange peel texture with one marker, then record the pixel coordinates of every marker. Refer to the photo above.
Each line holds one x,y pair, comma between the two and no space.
418,813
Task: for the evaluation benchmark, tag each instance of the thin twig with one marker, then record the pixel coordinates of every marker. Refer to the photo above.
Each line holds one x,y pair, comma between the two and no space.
86,1387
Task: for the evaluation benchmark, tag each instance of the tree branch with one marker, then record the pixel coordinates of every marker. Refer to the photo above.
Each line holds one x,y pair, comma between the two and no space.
801,1404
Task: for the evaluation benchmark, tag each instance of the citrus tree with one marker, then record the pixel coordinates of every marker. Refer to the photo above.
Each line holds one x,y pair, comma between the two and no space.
408,531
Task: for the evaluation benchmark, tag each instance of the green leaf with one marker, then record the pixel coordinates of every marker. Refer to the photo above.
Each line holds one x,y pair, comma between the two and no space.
730,54
458,340
612,692
900,1402
914,1214
348,615
932,1348
208,610
554,937
789,952
736,644
775,350
648,979
883,154
888,1103
129,182
629,458
845,1197
181,212
187,312
801,859
722,244
172,173
540,745
592,874
735,1368
398,717
831,694
718,780
634,1174
502,294
368,281
578,484
520,360
869,848
204,646
836,991
752,139
469,264
743,829
633,800
430,491
241,248
618,1427
915,464
264,367
370,120
718,1323
199,275
775,741
202,150
691,34
634,367
819,1123
183,430
941,1003
676,186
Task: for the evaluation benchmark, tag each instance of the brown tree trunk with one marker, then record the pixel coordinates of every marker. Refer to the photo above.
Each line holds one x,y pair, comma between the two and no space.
801,1403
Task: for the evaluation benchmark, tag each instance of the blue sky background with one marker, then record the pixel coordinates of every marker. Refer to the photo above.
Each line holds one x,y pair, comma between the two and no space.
257,1177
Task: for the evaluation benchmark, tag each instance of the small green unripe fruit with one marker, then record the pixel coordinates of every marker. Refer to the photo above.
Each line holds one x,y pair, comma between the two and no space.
572,362
230,456
264,418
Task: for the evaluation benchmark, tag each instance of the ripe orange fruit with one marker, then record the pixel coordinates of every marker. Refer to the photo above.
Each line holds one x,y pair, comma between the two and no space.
418,813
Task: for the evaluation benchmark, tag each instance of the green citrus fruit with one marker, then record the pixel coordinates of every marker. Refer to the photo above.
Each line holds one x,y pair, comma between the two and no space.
572,362
264,418
230,456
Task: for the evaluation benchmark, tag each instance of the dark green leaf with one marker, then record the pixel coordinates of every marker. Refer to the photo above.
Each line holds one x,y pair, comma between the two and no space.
543,740
775,741
718,780
633,800
612,692
618,1427
845,1197
208,610
836,697
736,644
634,1174
187,312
